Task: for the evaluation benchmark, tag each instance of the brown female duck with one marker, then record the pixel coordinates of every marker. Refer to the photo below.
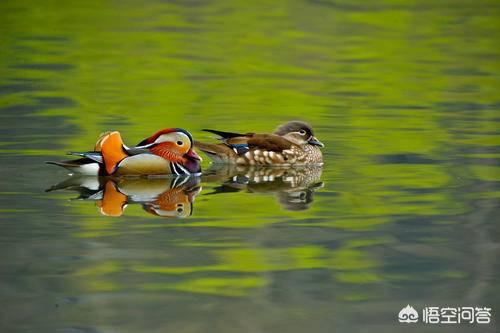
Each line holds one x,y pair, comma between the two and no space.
292,143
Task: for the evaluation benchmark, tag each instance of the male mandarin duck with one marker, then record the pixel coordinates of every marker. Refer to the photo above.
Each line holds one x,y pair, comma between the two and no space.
168,151
292,143
172,197
158,197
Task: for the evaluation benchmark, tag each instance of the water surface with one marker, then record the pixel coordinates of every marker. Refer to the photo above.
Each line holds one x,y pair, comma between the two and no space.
404,211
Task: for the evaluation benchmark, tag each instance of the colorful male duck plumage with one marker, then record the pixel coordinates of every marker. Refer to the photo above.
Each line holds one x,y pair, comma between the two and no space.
168,151
292,143
165,197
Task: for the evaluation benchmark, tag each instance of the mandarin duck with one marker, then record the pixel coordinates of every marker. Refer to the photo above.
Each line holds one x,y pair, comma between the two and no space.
293,186
292,143
168,151
172,197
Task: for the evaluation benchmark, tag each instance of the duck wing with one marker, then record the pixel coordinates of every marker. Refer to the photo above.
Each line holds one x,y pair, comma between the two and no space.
236,141
269,142
241,143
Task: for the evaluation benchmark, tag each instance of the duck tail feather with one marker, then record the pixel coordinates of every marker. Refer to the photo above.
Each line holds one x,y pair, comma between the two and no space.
224,135
218,153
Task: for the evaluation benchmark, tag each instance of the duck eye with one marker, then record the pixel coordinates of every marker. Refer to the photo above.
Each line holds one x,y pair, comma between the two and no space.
180,210
302,132
180,143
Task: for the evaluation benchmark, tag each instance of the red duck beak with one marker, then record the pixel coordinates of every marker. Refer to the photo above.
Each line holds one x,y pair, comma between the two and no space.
192,154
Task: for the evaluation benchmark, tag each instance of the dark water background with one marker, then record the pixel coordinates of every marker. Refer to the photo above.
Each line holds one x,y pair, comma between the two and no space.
405,95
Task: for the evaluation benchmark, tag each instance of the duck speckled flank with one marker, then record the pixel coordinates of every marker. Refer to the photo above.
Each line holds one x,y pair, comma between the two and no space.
292,143
294,186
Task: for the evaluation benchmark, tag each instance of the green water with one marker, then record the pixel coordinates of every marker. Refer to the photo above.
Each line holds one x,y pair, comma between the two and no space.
404,94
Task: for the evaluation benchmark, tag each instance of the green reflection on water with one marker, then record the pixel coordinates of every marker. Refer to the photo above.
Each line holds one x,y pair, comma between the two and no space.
403,94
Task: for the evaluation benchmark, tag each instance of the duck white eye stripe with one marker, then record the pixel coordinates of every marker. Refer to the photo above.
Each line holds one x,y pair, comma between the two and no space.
172,137
144,146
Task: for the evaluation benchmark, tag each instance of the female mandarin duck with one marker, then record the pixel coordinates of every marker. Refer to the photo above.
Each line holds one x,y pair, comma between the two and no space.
292,143
168,151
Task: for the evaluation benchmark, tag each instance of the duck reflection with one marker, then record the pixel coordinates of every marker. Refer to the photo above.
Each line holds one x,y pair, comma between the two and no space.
165,197
293,186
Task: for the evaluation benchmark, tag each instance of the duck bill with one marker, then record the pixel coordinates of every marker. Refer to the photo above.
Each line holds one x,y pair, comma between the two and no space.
315,142
192,193
193,155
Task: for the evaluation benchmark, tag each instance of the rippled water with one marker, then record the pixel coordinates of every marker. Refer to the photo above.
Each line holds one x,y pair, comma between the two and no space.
404,211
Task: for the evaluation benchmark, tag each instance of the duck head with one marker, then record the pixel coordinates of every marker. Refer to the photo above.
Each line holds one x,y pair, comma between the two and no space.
177,202
174,144
298,132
